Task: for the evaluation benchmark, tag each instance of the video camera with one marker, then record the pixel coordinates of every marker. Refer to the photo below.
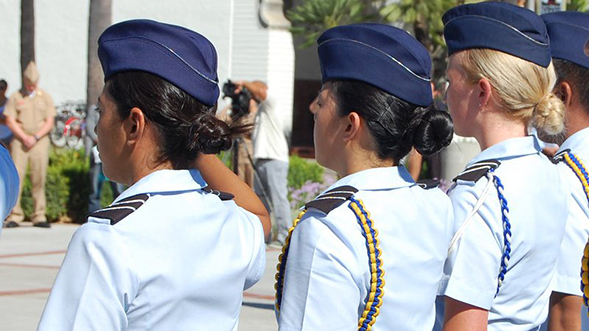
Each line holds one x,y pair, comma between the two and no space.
240,102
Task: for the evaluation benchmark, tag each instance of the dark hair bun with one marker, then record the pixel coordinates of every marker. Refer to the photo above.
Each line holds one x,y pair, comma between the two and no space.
210,135
434,132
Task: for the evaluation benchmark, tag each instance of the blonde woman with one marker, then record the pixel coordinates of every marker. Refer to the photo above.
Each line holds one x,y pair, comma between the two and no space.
508,202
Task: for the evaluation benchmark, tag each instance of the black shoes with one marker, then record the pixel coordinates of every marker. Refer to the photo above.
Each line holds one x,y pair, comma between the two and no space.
42,224
11,224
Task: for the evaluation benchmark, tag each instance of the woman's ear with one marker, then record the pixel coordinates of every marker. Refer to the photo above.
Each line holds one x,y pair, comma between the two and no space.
485,92
135,125
564,92
353,123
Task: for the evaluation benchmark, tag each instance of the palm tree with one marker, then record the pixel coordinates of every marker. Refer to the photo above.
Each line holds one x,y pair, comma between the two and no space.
27,33
425,18
578,5
100,18
313,17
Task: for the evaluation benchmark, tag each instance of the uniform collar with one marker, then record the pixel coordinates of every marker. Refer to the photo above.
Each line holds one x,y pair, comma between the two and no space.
166,181
576,141
377,179
510,148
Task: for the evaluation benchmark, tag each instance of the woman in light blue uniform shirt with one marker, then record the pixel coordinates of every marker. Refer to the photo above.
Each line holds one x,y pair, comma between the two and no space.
510,200
171,253
368,253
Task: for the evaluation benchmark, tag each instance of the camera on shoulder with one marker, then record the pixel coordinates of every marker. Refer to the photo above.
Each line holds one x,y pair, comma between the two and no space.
240,102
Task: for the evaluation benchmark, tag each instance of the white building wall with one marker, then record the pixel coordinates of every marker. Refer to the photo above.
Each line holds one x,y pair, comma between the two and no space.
61,34
281,61
245,48
209,18
10,43
61,28
249,43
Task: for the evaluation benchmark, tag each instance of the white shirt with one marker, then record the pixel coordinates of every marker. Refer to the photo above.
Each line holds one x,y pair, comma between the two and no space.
268,136
8,184
534,193
327,275
567,278
181,261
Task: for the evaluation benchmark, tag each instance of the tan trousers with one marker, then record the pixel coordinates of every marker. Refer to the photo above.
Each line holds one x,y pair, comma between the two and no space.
38,159
245,169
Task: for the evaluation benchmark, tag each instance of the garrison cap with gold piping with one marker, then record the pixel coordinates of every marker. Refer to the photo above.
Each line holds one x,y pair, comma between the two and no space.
569,32
178,55
378,54
500,26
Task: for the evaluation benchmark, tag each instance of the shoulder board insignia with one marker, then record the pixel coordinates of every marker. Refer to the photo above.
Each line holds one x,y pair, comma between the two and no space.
224,196
427,184
559,156
121,209
332,199
477,170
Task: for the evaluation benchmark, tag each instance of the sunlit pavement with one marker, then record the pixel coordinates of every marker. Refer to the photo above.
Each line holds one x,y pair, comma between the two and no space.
30,258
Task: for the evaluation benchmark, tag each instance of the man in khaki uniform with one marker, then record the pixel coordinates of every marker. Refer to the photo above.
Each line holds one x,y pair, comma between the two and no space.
30,115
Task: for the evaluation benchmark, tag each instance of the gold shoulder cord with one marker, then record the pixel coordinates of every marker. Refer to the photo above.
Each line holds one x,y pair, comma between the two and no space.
579,169
374,299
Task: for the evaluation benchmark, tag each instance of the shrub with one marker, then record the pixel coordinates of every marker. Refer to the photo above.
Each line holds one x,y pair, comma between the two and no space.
300,171
67,187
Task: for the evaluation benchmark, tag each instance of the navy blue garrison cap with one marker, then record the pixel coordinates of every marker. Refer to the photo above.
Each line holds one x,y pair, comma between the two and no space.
181,56
569,32
500,26
381,55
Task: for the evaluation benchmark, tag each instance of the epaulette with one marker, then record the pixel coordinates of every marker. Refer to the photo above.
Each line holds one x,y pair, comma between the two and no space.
559,156
331,199
427,184
121,209
224,196
477,170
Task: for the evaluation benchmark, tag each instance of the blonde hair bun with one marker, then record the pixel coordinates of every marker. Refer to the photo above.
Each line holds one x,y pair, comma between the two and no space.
548,115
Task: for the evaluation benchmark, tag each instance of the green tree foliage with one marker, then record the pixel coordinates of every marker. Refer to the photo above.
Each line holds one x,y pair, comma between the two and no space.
315,16
578,5
424,17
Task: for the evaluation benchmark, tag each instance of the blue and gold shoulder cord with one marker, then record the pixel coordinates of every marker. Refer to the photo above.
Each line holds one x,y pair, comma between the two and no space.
374,300
581,172
473,173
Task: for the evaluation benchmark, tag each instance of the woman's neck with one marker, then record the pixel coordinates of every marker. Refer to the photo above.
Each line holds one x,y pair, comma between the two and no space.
498,128
363,160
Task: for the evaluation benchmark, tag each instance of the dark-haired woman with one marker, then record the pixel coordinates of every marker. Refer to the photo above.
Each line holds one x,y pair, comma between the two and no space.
171,253
369,252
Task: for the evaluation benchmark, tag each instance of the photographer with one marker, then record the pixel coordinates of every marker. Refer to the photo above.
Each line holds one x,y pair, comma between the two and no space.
242,112
270,155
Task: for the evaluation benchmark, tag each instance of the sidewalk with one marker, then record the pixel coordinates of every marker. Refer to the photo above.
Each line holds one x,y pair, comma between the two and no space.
30,258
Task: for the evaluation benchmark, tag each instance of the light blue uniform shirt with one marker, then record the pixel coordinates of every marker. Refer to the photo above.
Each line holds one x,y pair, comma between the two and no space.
8,184
181,261
534,192
327,276
567,278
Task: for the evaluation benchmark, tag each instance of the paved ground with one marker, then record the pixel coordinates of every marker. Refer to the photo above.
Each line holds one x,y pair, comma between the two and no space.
29,261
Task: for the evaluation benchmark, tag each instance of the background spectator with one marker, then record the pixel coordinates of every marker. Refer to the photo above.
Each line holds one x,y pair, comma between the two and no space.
30,115
5,133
